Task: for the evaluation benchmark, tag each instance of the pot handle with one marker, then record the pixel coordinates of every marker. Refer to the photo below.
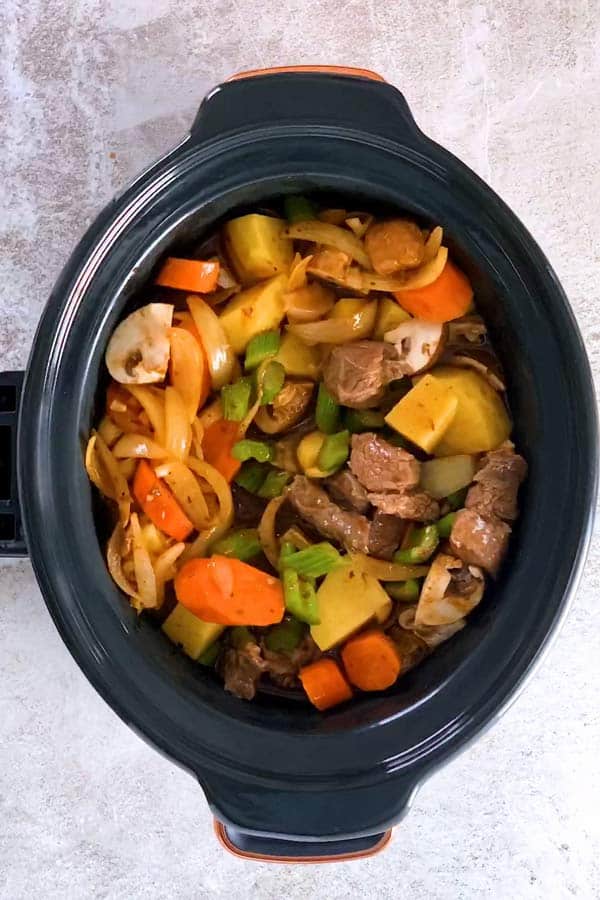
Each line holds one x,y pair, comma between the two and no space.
319,824
11,535
309,96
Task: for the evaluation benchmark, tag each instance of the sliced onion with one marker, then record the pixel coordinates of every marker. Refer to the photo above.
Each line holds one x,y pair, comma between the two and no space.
178,434
426,274
187,369
296,537
225,278
96,471
210,414
432,635
332,236
138,446
164,568
128,467
152,400
297,276
333,216
308,303
218,350
224,519
108,431
187,490
144,572
387,571
114,561
338,330
359,223
119,482
433,244
266,530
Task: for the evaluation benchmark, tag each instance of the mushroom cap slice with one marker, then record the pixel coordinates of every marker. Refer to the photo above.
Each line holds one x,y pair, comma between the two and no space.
440,603
432,635
418,344
287,408
139,349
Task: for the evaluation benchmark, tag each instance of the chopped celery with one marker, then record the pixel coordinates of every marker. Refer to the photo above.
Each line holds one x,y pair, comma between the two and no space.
327,413
272,381
457,499
274,484
444,525
235,399
421,545
298,209
334,451
240,636
209,657
300,598
252,476
314,561
357,420
404,591
241,544
286,551
260,347
258,450
286,636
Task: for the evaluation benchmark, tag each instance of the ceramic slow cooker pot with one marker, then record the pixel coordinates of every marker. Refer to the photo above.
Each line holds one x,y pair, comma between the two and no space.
286,780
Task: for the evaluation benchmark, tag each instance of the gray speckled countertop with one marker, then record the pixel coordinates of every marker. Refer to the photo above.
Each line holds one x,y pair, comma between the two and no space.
90,92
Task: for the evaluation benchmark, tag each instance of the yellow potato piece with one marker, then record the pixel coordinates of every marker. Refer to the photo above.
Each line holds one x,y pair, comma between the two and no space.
259,308
191,633
389,315
297,358
481,422
257,248
425,413
348,600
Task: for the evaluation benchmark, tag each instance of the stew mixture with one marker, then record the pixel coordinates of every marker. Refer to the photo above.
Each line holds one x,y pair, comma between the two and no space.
306,442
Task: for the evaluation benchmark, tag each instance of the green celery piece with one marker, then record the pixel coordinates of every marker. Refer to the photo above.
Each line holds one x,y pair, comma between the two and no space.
300,598
272,381
258,450
334,451
274,484
358,420
457,499
298,208
422,544
327,412
260,347
241,544
444,525
286,636
252,475
235,399
404,591
314,561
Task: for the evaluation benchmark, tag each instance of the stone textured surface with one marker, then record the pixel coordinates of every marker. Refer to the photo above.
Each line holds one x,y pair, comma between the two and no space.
90,92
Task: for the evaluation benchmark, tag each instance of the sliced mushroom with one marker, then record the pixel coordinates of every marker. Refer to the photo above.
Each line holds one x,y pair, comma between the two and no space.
139,349
469,328
418,344
289,406
432,635
450,591
483,360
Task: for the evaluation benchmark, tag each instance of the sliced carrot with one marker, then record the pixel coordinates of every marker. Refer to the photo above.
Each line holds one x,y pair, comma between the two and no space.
229,592
197,275
217,442
324,684
371,661
446,298
159,504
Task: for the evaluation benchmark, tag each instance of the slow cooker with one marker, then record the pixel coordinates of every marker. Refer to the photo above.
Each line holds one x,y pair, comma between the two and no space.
283,780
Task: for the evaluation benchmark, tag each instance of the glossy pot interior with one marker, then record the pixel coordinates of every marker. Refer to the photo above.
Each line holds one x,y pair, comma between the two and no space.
272,765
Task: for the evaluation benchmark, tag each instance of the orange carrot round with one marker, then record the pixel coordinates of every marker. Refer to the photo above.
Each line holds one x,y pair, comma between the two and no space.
324,684
159,504
227,591
196,275
446,298
217,443
371,661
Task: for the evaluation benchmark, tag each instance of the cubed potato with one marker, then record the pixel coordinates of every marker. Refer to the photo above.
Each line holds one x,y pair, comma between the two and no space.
191,633
442,477
298,359
389,315
481,422
259,308
425,413
348,600
257,248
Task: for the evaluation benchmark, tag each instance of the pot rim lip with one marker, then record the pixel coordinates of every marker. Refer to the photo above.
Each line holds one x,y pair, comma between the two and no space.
99,240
